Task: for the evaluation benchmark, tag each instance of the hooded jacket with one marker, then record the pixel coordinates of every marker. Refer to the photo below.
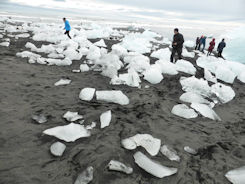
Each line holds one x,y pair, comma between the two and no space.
67,26
221,46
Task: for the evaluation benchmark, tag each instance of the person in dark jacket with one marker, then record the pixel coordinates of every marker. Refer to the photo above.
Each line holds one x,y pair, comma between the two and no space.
200,40
197,43
220,48
67,27
211,47
177,45
203,43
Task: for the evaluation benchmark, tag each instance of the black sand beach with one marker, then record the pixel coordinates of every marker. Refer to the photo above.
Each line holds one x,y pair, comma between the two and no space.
27,89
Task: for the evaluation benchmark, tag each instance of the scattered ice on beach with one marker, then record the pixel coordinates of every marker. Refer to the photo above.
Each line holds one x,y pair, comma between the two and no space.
87,94
4,44
206,111
153,75
62,82
40,118
162,54
184,111
72,54
23,35
167,67
57,149
190,150
222,92
185,66
86,176
100,43
30,55
72,116
105,119
138,62
68,133
119,50
170,153
191,97
59,62
208,76
151,144
225,74
236,176
118,166
94,53
84,68
153,167
113,97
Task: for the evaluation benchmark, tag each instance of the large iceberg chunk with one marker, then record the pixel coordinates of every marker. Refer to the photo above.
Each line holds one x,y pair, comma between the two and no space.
153,75
225,74
152,167
167,67
112,96
68,133
186,67
184,111
236,176
206,111
223,93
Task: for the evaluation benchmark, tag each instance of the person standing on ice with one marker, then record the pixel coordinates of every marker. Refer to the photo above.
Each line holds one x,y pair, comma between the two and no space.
67,27
177,45
211,47
203,43
197,43
220,48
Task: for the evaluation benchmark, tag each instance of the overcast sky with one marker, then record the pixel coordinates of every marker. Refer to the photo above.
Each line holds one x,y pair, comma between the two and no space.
217,10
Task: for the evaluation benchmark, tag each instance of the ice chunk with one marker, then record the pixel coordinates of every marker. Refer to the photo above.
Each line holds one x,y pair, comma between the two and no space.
162,54
206,111
241,77
223,93
170,153
225,74
76,71
23,35
84,68
118,166
113,97
40,118
90,127
185,53
87,94
68,133
153,75
191,97
86,176
4,44
138,62
186,67
94,53
105,119
72,116
167,67
72,54
62,82
151,144
208,76
184,111
100,43
236,176
190,150
119,50
59,62
57,149
152,167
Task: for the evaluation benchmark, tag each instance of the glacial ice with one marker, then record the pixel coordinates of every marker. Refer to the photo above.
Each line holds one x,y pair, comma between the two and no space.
190,150
153,75
113,97
59,62
191,97
86,176
62,82
185,66
105,119
206,111
5,44
170,153
57,149
152,167
87,94
184,111
225,74
118,166
84,68
68,133
208,76
162,54
236,176
222,92
40,118
100,43
167,67
72,116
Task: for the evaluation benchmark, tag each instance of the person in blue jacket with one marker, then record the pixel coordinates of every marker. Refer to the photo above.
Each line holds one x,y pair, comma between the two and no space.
67,27
203,43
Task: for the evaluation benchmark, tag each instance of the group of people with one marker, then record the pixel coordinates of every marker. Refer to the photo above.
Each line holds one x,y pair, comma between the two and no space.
177,44
178,41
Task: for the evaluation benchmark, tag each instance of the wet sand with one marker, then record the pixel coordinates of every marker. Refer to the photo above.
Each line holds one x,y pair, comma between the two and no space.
27,89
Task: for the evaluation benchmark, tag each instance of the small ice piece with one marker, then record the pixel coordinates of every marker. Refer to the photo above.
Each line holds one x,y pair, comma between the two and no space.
170,153
68,133
90,127
147,86
84,68
72,116
184,111
62,82
100,43
57,149
40,118
4,44
113,97
190,150
206,111
236,176
118,166
151,144
153,167
191,97
105,119
86,176
153,75
87,94
76,71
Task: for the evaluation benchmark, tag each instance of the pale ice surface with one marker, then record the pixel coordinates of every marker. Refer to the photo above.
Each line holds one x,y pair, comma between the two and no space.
62,82
189,43
162,54
206,111
167,67
59,62
100,43
209,77
118,166
138,62
223,93
68,133
152,167
40,118
153,75
113,97
241,77
91,126
151,144
170,153
190,150
225,74
84,68
185,66
191,97
184,111
86,176
236,176
5,44
57,149
87,94
105,119
72,116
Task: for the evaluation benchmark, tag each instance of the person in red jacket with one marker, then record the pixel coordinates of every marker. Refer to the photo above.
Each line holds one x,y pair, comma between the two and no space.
211,47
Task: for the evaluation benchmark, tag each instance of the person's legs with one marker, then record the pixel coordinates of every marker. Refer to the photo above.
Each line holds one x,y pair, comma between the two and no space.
68,34
172,55
179,51
203,47
199,46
